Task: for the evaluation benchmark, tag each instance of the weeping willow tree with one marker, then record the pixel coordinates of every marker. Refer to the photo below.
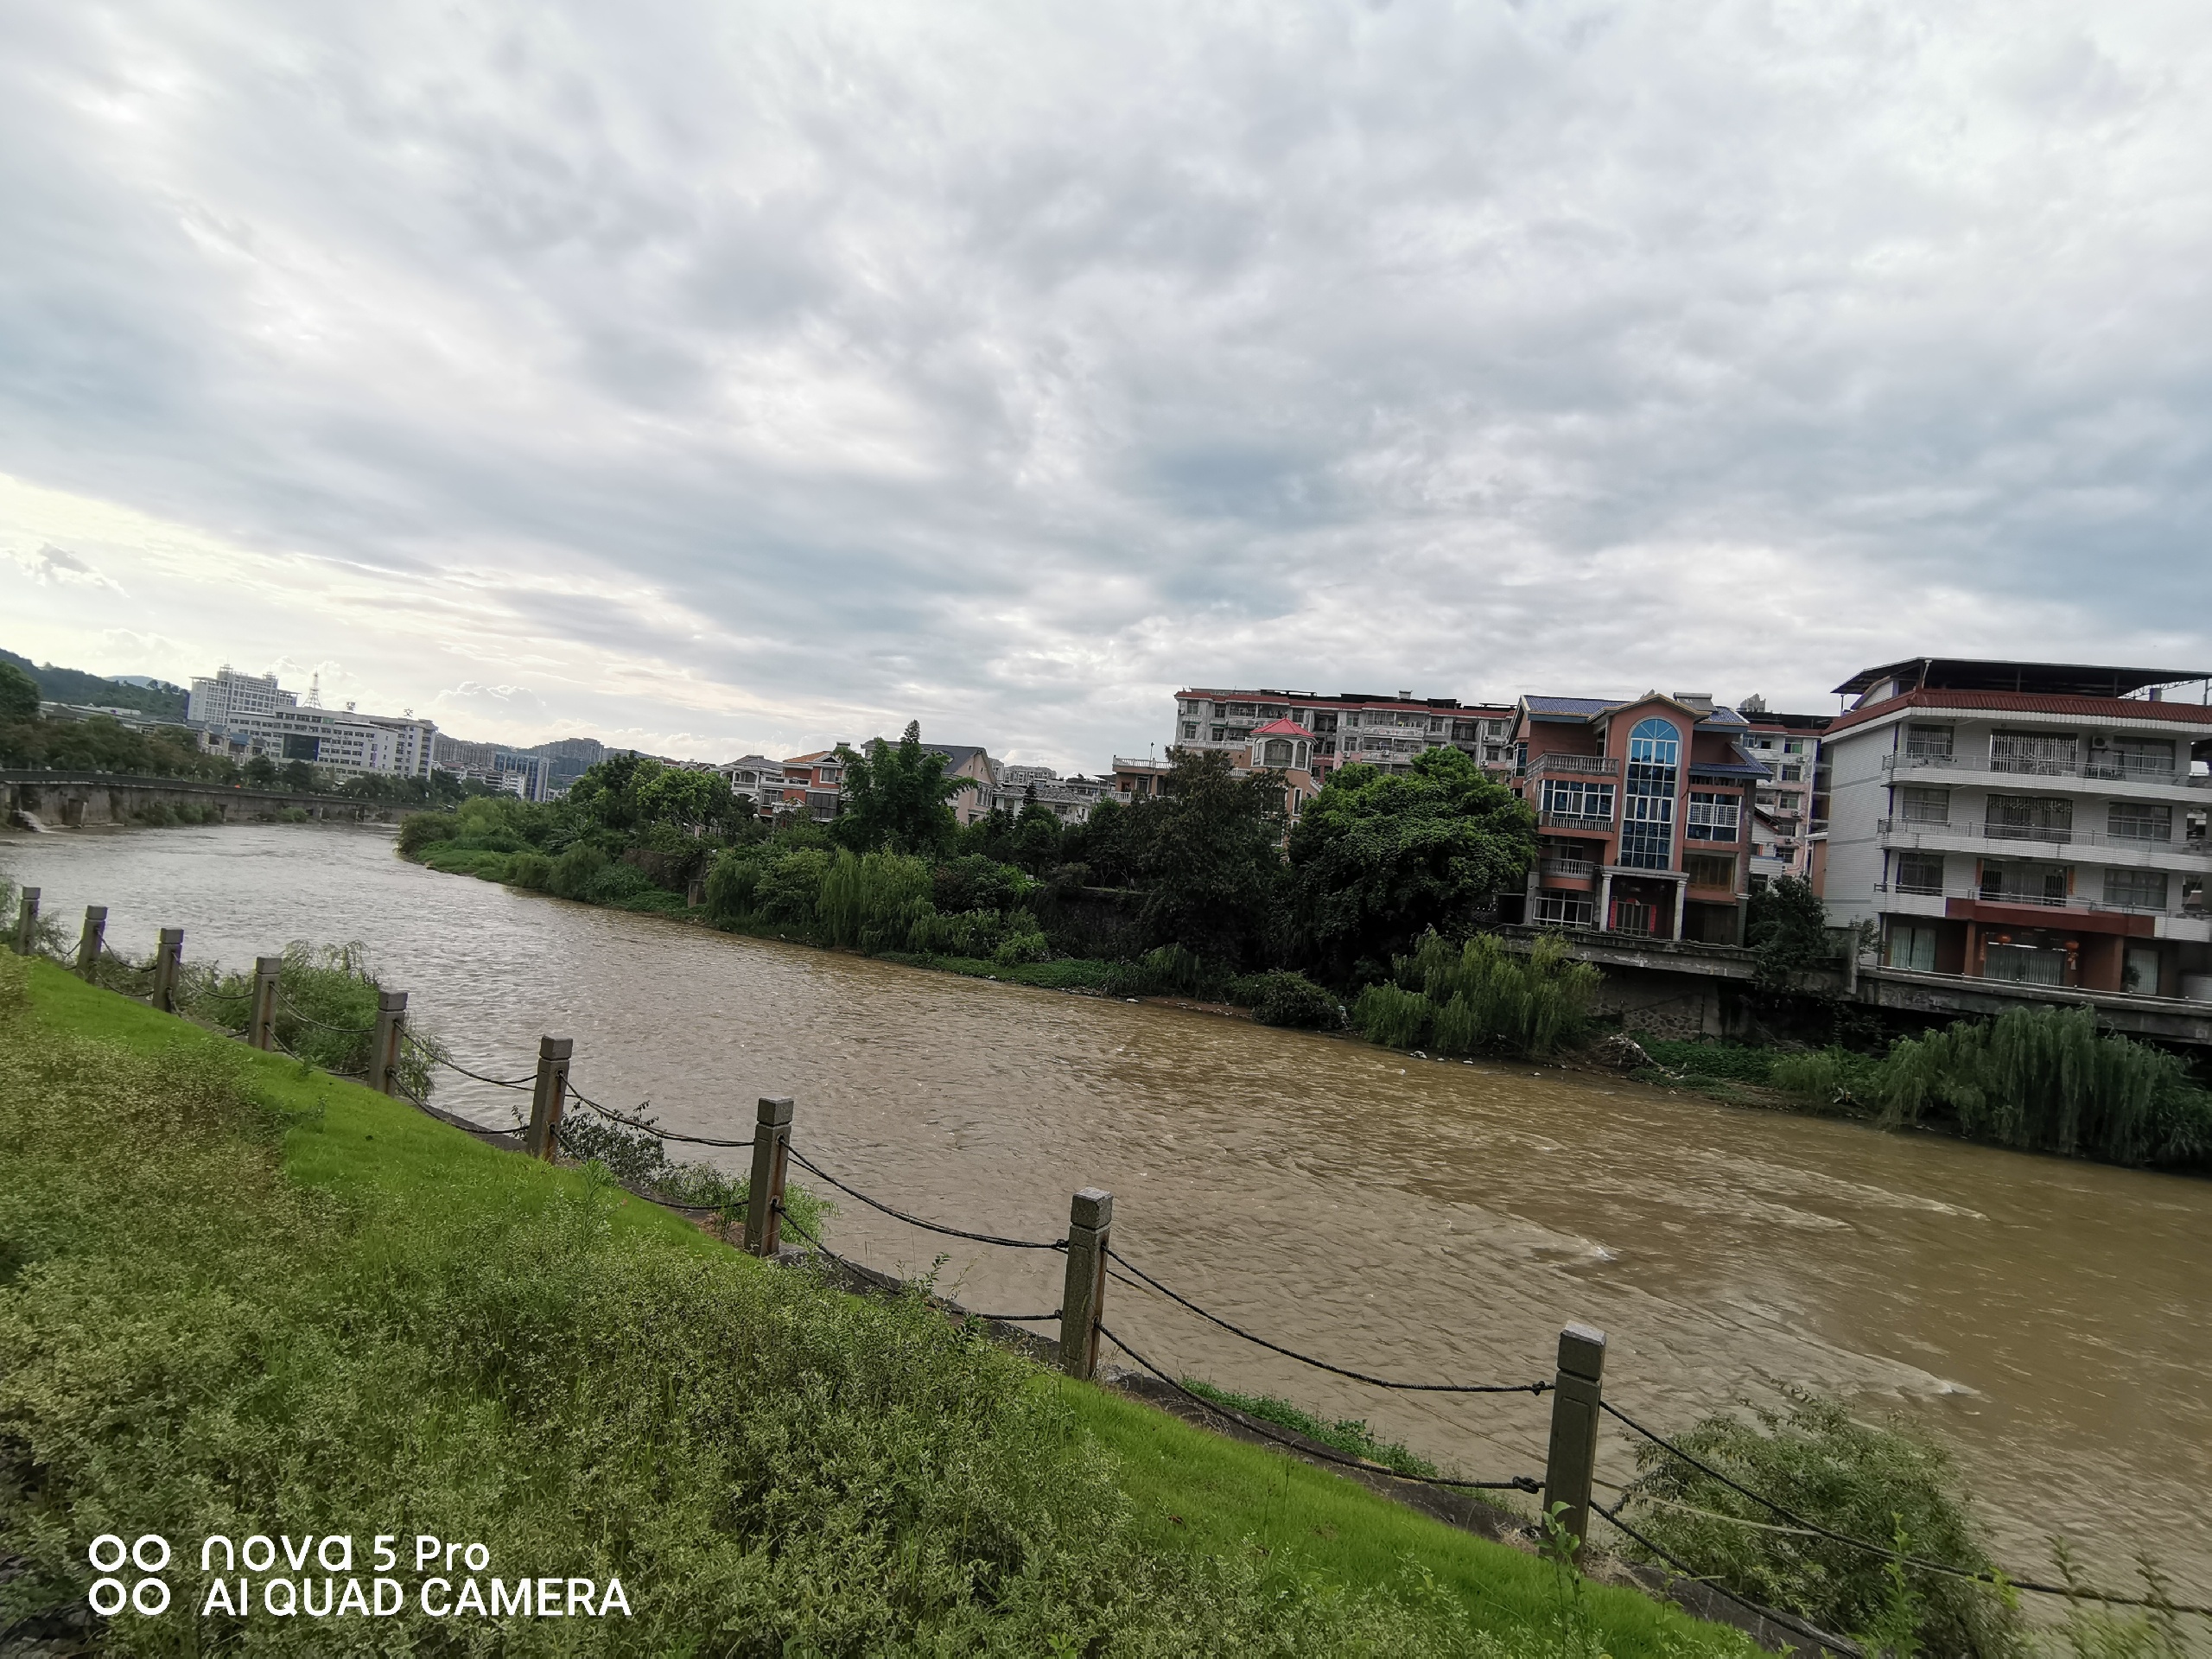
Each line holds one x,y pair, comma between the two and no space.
2048,1079
1480,998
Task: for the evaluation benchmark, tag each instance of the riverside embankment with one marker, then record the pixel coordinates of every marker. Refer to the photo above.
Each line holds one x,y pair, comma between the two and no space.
1427,1219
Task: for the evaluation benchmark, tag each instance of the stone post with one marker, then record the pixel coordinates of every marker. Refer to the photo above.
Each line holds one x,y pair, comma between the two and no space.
1082,1299
547,1099
1572,1460
168,961
25,921
764,1194
260,1021
384,1044
89,942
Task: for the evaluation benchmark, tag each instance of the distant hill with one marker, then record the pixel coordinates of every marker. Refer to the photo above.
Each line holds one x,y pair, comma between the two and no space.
72,685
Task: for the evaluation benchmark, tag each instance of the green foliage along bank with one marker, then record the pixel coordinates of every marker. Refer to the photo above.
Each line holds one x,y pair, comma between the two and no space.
237,1298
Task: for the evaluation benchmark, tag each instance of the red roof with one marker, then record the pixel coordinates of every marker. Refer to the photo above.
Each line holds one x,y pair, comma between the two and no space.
2029,702
1280,729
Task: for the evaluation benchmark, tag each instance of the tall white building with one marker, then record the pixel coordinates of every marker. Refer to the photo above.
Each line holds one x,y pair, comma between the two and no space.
2038,823
250,715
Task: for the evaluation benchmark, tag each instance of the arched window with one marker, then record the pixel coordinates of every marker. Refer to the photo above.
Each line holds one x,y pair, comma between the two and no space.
1278,752
1654,750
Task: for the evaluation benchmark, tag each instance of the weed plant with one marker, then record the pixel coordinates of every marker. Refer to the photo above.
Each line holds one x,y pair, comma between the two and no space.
1869,1482
1349,1435
326,1010
638,1160
1706,1061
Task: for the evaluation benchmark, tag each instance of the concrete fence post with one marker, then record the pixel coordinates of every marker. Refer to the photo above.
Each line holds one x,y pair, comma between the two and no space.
764,1194
260,1021
1572,1462
384,1043
25,921
550,1094
168,961
89,942
1083,1298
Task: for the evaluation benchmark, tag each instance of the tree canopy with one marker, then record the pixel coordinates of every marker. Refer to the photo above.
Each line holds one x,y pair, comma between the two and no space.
1379,858
1208,850
896,799
18,694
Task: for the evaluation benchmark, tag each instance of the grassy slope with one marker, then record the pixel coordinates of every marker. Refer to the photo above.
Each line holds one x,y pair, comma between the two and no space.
1190,1491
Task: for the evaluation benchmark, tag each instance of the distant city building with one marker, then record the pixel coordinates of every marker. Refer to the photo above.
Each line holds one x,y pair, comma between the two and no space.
2041,823
1378,730
1786,811
245,715
1069,799
756,778
813,784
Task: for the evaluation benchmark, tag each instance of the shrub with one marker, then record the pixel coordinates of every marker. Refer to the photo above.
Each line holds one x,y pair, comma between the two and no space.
1481,997
418,830
1875,1483
1828,1077
531,871
1285,998
1024,941
1171,970
872,901
1395,1017
612,883
1724,1062
2049,1080
326,1009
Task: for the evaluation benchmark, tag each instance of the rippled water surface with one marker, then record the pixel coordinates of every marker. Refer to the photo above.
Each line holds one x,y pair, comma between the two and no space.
2048,1320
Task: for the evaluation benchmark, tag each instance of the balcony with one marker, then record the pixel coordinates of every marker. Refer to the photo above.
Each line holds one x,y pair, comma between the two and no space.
1581,765
1575,820
2158,774
1911,831
1568,869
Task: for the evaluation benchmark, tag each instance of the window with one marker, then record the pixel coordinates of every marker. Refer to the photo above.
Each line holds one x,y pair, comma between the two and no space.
2135,889
1794,746
1647,812
2024,964
1190,728
1712,817
1912,946
1278,752
1924,805
1575,798
1929,742
1919,873
2047,754
2132,757
1707,871
1793,771
2029,817
2025,884
1220,733
2140,973
2141,820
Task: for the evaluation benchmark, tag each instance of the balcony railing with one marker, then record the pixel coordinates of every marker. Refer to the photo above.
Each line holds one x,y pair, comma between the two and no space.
1572,821
2049,834
1587,765
1569,869
2072,901
2102,769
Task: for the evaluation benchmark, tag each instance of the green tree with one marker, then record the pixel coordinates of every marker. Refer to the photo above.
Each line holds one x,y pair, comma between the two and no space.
607,793
261,771
18,694
1037,836
1381,858
684,799
297,774
898,799
1787,931
1209,855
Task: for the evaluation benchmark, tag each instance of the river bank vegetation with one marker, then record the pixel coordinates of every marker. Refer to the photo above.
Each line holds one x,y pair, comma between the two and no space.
239,1295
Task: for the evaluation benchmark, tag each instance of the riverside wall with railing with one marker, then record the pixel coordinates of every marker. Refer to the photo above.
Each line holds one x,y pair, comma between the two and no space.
389,1053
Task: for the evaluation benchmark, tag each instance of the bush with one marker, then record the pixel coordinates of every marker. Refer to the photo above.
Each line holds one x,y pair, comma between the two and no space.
1171,970
872,902
1284,999
326,1009
1715,1061
1479,997
2049,1080
1395,1017
1830,1078
1875,1483
419,829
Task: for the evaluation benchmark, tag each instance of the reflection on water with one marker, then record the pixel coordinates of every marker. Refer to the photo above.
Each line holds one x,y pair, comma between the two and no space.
1417,1219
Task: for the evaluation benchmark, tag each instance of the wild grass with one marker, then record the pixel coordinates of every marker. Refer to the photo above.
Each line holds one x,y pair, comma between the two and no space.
1350,1435
638,1160
238,1299
326,1010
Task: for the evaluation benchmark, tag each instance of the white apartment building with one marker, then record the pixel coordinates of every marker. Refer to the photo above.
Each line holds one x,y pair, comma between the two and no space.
756,778
249,714
1786,809
1368,727
1069,799
2042,824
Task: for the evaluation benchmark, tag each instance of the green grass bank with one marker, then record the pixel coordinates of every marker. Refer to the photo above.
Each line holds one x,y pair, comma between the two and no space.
240,1296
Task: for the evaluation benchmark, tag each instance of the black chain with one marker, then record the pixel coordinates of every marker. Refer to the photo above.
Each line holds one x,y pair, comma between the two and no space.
916,1221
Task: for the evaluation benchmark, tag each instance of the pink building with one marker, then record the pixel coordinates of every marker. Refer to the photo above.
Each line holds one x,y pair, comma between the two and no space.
1643,811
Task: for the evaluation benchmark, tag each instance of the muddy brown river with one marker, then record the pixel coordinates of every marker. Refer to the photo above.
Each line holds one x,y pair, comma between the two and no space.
2046,1319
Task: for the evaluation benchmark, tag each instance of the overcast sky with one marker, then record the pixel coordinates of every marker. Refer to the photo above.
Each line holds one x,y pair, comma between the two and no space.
721,376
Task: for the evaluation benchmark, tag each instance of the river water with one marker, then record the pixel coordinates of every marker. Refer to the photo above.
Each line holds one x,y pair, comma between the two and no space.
2046,1319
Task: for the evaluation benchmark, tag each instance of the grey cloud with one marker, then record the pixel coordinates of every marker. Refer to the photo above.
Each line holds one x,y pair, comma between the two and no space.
1005,368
